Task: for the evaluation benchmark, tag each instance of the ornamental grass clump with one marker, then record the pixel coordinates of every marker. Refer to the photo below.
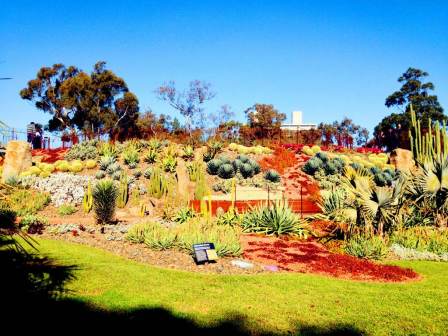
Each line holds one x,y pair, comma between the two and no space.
275,219
104,201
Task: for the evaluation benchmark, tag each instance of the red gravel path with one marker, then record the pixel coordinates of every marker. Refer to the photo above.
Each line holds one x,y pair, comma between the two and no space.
50,155
311,257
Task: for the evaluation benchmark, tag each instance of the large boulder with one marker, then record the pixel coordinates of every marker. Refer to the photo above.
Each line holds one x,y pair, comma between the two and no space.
402,159
18,159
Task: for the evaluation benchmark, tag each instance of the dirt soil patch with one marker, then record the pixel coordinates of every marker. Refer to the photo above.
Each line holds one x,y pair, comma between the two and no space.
171,259
312,257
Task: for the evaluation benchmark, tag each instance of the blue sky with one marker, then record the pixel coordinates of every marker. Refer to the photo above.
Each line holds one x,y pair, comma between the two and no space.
329,59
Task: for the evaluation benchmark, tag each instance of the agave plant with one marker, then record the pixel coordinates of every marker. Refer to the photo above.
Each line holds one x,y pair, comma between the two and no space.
276,219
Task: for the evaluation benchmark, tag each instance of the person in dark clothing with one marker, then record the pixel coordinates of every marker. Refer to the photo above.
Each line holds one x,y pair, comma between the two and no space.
30,132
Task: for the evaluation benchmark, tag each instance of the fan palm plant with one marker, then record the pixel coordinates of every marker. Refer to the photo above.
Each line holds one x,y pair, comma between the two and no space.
431,189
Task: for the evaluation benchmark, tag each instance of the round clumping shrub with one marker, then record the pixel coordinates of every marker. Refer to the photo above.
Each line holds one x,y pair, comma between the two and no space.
224,159
100,174
323,156
90,164
312,166
355,165
255,166
272,176
237,164
330,168
213,166
366,247
380,180
243,158
246,170
339,164
226,171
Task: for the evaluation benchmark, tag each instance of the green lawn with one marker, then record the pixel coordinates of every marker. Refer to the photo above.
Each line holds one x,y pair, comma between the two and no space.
274,303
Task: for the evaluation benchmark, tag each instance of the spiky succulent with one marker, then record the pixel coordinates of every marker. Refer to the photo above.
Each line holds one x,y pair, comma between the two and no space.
322,156
272,176
188,153
213,166
224,159
330,168
116,176
147,173
137,173
169,164
151,156
132,165
246,170
255,166
312,166
100,174
237,164
106,161
226,171
243,158
104,201
114,167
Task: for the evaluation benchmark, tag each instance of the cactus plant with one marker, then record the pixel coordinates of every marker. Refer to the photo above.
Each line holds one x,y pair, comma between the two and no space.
87,201
158,184
137,173
430,146
123,189
226,171
132,165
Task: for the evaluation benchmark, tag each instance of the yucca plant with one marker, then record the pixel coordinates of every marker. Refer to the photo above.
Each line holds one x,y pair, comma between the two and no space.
107,149
104,201
275,219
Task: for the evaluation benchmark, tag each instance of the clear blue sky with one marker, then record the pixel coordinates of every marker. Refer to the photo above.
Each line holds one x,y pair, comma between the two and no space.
329,59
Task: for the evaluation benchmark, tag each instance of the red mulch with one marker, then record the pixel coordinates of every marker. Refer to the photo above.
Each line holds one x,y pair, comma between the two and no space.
50,155
312,257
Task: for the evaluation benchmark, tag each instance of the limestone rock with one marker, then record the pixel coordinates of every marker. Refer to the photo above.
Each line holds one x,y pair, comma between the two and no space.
18,159
402,159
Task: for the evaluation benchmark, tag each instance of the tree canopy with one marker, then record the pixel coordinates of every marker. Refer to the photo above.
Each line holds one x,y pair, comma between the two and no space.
393,130
344,133
74,98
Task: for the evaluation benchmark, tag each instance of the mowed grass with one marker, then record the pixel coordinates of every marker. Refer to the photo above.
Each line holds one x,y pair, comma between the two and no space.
273,303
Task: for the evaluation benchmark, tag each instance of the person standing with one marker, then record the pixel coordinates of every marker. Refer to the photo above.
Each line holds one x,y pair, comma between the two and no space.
30,132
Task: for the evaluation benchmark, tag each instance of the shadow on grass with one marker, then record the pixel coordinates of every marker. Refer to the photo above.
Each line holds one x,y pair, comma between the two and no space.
32,288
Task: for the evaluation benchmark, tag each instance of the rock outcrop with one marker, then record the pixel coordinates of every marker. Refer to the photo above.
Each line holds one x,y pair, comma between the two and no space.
18,159
402,159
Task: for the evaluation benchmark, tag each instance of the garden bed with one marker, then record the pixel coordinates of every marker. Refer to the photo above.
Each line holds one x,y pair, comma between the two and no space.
311,257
